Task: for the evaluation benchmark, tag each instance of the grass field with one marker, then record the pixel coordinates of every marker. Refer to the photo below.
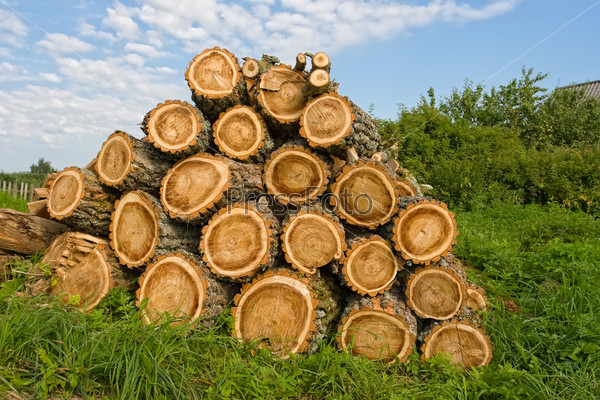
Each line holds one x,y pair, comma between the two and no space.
539,266
7,201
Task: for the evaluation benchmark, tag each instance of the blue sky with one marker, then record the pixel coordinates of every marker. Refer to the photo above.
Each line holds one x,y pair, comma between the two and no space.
73,71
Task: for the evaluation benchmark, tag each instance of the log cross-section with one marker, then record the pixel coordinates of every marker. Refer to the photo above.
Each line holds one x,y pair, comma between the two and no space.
435,292
326,120
280,94
365,194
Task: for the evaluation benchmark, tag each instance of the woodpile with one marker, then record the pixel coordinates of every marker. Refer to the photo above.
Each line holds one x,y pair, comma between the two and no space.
272,194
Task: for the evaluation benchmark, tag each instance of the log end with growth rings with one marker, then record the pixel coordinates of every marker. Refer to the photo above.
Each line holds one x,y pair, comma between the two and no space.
425,231
193,185
365,194
236,241
174,285
239,132
214,73
435,292
466,344
320,60
377,334
250,68
134,229
326,120
115,159
280,93
311,240
370,266
277,308
173,126
66,191
476,298
294,174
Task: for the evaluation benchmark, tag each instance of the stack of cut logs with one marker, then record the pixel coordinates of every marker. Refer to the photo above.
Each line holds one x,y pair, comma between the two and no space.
272,193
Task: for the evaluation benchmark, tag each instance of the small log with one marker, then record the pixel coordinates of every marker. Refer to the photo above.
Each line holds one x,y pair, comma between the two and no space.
437,291
242,134
296,175
180,285
467,344
312,237
215,79
83,265
289,313
280,94
177,128
25,233
369,266
379,328
335,124
300,65
41,193
424,230
35,206
78,199
127,163
199,185
140,229
317,84
476,298
365,194
240,240
320,60
252,69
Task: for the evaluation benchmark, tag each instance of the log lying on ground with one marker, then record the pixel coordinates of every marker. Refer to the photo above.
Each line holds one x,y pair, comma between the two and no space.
127,163
240,240
296,175
424,231
78,199
178,128
215,79
336,124
290,314
465,343
241,134
379,328
365,194
178,284
83,265
369,266
197,186
312,237
280,94
437,291
25,233
140,229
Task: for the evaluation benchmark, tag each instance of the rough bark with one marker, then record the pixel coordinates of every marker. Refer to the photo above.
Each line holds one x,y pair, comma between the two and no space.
178,128
127,163
241,134
25,233
78,199
215,79
379,328
318,83
312,238
140,229
199,185
83,265
240,240
296,175
180,285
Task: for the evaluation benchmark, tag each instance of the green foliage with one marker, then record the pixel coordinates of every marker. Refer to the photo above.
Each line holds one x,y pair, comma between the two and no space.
42,167
7,201
36,179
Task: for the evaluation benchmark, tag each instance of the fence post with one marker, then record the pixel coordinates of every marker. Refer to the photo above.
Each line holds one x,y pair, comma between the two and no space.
4,186
9,187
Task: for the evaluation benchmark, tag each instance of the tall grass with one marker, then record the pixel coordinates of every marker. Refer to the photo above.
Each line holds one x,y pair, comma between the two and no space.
8,201
539,265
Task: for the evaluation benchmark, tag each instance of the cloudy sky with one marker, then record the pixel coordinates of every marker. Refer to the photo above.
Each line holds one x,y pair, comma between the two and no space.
73,71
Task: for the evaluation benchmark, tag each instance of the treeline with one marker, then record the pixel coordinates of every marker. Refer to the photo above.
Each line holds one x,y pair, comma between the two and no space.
36,175
512,143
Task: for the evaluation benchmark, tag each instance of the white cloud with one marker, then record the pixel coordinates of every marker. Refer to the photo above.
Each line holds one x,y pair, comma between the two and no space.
12,30
120,19
144,49
58,43
88,30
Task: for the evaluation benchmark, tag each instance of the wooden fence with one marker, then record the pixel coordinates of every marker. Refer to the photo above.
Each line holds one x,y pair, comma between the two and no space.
20,190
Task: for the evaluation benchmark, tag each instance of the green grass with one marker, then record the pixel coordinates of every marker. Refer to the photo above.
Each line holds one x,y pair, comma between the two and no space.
544,259
8,201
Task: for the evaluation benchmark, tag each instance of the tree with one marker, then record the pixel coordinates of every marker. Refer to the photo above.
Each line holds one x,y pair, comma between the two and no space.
42,167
